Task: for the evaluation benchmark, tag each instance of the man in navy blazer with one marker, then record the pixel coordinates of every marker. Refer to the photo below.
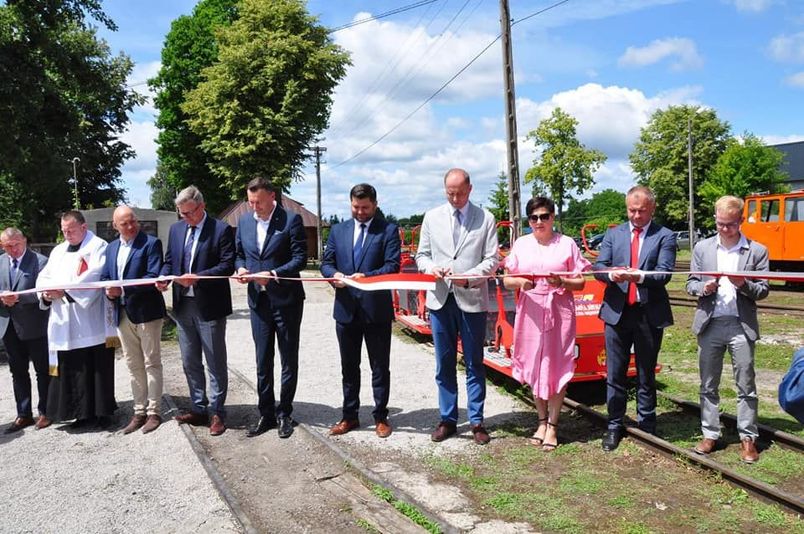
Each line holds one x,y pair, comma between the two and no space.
23,326
636,308
365,246
140,311
200,245
270,242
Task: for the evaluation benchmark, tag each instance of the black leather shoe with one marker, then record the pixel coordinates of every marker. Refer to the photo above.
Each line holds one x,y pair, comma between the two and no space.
285,426
263,425
612,439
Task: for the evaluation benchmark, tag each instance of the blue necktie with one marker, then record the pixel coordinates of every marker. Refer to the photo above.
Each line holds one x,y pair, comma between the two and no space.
12,274
359,244
188,251
456,229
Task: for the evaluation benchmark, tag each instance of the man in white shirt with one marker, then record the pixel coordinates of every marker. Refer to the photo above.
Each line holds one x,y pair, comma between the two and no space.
726,319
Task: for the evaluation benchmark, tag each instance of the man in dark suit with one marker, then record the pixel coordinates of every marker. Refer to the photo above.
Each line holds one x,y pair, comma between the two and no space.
636,308
140,310
726,319
23,326
270,242
364,246
200,245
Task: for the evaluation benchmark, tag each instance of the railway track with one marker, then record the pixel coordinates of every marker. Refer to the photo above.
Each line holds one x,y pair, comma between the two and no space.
766,492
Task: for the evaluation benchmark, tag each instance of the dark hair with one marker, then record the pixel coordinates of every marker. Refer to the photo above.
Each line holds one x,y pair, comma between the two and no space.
261,183
75,215
539,202
361,191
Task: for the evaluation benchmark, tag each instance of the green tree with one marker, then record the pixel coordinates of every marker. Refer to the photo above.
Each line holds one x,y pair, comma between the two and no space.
63,96
269,94
565,166
660,159
498,206
190,46
746,166
603,208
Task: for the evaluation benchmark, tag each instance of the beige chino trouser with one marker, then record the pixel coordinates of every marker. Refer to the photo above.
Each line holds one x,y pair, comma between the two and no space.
142,350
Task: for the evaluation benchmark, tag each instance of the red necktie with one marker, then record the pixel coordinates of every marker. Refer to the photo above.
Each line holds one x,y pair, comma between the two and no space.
632,287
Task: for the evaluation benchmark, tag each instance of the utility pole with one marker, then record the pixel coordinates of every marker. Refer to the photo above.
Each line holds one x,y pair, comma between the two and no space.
510,121
691,187
319,230
76,201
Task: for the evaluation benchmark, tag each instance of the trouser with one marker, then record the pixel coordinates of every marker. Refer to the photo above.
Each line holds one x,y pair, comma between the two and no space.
447,323
142,349
721,334
196,336
21,353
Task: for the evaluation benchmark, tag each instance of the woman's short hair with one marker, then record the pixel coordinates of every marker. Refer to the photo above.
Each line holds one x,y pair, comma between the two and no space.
539,202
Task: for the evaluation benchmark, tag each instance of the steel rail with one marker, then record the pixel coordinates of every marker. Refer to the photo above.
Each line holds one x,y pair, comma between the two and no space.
761,490
766,433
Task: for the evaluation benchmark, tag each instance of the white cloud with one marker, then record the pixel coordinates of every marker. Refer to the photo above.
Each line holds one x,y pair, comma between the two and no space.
796,80
788,48
681,48
140,74
141,136
609,118
752,6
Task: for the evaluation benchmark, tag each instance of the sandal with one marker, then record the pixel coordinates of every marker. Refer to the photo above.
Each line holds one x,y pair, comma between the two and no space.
534,440
550,447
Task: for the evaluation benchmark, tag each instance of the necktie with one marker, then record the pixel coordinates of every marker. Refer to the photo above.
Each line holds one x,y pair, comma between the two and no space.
632,287
13,272
359,244
188,251
456,228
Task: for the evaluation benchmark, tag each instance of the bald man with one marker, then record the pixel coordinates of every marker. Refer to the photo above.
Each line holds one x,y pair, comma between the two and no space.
140,311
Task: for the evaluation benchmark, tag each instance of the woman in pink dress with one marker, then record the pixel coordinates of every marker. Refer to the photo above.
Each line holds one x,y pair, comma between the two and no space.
544,329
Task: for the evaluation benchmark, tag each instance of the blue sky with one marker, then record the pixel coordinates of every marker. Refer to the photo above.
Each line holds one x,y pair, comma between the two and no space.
610,63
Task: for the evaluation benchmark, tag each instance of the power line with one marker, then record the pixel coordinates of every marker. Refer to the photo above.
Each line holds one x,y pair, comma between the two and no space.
382,15
444,86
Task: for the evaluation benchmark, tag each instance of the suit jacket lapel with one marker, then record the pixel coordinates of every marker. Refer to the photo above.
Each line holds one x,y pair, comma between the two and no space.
272,226
744,253
647,244
470,215
136,247
20,266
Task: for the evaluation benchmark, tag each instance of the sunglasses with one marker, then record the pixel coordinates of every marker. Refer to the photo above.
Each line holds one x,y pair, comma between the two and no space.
543,217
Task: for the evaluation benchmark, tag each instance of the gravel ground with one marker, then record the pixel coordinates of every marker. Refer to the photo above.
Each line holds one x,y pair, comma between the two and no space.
100,481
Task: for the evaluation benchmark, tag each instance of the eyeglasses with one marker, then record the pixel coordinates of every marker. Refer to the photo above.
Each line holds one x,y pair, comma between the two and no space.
536,217
726,225
188,213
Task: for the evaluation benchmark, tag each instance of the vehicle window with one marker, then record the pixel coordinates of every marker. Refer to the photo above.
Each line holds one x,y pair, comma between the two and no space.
794,209
769,210
752,210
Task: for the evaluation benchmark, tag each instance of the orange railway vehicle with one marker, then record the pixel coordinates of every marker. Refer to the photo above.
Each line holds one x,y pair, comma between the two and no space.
777,221
590,346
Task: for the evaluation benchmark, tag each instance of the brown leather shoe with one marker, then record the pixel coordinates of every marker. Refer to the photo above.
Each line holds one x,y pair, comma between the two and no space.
136,422
18,424
748,451
443,431
344,426
216,427
193,418
706,446
151,423
383,429
480,435
43,422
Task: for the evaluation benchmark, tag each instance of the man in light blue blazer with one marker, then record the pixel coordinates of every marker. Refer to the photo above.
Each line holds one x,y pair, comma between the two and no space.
459,238
726,319
23,326
365,245
270,241
635,309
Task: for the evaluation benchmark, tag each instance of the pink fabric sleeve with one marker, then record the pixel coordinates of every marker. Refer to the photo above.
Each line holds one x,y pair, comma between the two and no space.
579,263
511,262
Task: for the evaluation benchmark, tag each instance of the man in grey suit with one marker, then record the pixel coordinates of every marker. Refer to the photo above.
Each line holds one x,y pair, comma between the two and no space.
23,326
635,309
726,319
458,238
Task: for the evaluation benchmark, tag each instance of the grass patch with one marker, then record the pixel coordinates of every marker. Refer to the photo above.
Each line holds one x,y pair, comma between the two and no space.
368,527
408,510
